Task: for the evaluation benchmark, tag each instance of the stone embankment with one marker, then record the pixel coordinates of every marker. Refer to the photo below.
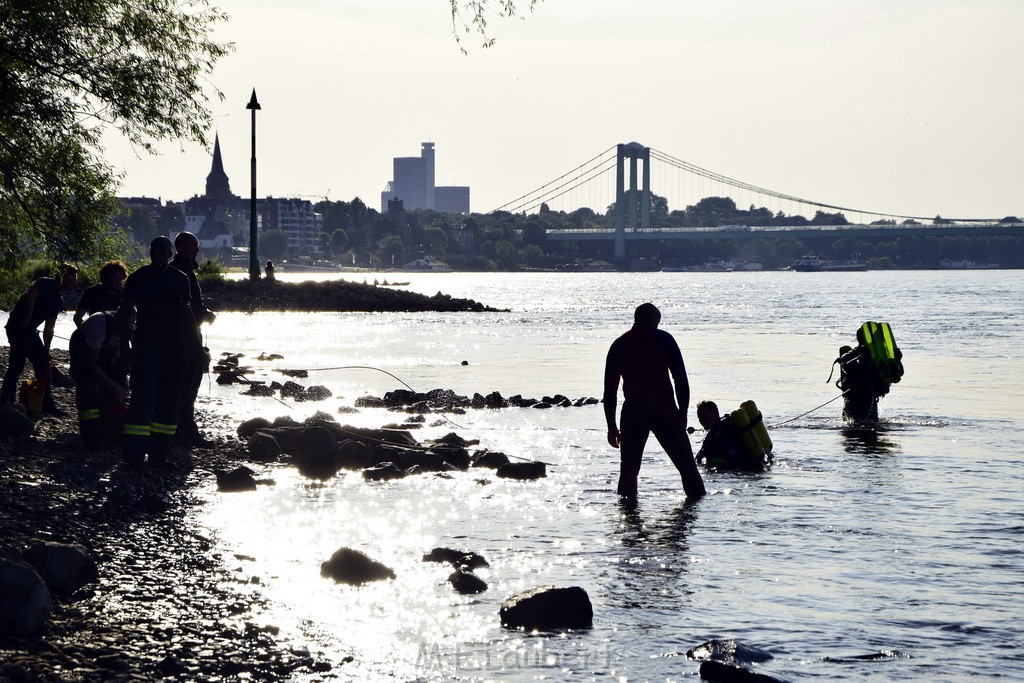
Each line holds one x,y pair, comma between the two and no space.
330,295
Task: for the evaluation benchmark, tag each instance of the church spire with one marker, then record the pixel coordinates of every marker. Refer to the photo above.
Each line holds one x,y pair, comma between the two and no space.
217,184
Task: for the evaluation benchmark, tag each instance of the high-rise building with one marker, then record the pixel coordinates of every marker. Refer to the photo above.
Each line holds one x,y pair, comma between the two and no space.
413,184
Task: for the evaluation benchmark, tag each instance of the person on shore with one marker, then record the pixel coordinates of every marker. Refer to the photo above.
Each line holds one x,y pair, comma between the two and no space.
99,373
197,356
39,304
643,359
269,270
106,296
159,295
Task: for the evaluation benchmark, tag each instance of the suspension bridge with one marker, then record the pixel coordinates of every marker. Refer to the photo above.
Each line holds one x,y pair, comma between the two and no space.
622,175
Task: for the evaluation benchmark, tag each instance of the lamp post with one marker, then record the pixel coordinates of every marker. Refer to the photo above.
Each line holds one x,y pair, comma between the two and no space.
254,262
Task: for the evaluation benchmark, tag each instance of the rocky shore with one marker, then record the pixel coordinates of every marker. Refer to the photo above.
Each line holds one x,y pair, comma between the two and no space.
330,295
165,605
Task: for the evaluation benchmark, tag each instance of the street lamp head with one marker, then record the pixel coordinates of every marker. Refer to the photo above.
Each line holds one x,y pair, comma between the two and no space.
253,102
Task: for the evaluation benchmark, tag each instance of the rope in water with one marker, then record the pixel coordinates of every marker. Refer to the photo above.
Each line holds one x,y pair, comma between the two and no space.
779,424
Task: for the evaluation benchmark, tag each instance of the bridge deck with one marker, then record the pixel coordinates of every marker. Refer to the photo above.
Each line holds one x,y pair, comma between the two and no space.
771,231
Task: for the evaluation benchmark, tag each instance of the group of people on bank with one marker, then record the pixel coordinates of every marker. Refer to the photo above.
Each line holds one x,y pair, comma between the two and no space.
143,327
648,363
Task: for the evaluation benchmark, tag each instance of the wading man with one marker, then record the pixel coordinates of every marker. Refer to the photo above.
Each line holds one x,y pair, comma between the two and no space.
644,358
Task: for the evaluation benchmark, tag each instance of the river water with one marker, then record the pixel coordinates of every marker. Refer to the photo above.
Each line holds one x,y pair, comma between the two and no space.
904,541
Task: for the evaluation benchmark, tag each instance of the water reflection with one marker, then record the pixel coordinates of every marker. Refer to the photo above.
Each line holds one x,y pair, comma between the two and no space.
869,439
656,554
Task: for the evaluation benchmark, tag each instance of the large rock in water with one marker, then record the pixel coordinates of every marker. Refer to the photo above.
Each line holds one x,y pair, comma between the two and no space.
353,567
264,447
522,471
466,582
730,673
24,599
547,607
729,651
64,568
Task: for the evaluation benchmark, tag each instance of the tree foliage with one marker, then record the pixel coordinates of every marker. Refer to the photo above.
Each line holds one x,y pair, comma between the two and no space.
71,69
470,16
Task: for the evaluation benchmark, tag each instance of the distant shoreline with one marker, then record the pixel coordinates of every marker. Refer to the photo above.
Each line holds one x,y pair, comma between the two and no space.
328,295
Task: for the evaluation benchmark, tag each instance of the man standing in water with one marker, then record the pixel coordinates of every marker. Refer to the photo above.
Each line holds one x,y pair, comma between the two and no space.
643,358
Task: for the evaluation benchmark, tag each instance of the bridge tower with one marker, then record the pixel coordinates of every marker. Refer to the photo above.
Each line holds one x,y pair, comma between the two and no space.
626,209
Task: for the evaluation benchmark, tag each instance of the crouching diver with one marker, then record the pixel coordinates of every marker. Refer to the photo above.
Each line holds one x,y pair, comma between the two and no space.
100,377
733,442
868,371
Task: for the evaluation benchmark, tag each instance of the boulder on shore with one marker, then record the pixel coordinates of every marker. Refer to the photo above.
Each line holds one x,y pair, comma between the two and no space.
64,568
24,599
14,422
547,608
355,568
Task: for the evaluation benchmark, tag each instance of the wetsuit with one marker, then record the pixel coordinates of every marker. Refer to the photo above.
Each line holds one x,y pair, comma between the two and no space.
861,385
161,296
643,358
96,333
25,342
197,358
722,448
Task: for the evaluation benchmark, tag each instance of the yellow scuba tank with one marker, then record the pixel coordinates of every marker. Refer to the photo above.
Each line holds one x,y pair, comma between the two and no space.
760,431
885,355
747,434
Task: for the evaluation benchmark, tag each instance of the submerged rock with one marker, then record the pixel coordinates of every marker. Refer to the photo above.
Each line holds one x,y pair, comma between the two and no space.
250,427
457,558
238,479
728,650
466,582
730,673
384,471
522,471
355,568
490,459
264,447
548,607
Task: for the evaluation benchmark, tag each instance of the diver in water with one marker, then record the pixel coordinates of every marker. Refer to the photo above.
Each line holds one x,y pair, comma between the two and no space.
723,447
859,383
867,372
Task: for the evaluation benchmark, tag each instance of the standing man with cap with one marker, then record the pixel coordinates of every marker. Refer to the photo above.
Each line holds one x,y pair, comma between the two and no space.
643,358
156,354
197,357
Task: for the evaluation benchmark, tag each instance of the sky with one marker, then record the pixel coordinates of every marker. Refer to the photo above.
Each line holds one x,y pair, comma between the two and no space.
911,107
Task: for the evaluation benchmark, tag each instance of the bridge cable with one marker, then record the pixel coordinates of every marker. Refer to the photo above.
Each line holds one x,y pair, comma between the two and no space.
738,184
554,192
585,163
